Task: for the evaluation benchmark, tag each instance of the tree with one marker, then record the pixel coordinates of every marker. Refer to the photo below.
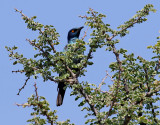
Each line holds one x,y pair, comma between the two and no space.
131,99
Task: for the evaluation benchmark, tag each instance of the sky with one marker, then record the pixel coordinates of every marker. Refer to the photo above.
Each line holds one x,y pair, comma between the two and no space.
64,16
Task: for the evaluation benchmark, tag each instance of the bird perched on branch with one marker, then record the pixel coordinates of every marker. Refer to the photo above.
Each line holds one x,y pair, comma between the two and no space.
73,35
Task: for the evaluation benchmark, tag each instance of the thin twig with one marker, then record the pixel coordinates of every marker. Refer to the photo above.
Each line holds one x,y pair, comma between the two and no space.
27,18
107,74
35,86
85,34
103,81
82,16
110,76
40,49
20,71
23,86
40,30
24,105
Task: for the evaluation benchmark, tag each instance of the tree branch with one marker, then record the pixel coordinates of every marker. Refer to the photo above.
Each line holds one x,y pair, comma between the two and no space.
35,86
52,46
85,34
40,30
81,90
23,85
123,29
20,71
120,66
40,49
23,105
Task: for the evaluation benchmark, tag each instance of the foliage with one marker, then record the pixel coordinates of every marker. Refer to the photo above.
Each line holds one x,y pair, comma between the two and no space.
41,108
133,96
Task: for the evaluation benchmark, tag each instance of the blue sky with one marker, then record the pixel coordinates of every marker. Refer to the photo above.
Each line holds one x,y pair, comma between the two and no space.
64,16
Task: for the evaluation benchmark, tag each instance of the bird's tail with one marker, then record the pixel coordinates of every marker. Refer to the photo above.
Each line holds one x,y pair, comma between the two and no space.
61,93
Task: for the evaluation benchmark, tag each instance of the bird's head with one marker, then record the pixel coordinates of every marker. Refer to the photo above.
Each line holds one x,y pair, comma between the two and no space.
74,33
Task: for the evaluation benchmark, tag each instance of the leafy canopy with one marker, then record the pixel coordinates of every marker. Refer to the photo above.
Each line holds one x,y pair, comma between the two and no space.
133,95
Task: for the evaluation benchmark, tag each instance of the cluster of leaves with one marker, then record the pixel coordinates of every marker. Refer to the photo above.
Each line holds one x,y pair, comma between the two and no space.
41,108
133,96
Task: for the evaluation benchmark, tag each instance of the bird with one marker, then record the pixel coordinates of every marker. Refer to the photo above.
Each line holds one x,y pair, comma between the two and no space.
73,35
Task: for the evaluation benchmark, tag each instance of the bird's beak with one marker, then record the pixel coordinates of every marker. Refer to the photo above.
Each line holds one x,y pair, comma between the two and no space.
81,27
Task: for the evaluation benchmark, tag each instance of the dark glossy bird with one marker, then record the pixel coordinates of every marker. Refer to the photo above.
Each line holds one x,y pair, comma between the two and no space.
73,35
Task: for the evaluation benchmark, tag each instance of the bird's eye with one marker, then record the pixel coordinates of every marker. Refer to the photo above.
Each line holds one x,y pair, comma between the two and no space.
72,31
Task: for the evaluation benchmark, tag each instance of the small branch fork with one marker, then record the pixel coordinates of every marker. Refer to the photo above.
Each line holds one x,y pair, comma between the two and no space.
37,97
39,105
99,87
107,74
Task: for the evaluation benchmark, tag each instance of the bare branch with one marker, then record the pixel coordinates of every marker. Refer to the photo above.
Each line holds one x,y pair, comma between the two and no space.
107,74
23,86
35,86
20,71
102,81
85,34
23,105
82,16
20,12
